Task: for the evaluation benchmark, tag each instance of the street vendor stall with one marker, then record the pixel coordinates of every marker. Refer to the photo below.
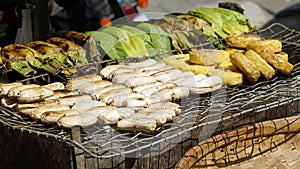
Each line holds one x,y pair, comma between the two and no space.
145,100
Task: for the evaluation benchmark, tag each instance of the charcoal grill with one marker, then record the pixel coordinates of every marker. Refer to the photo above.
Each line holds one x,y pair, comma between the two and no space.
202,116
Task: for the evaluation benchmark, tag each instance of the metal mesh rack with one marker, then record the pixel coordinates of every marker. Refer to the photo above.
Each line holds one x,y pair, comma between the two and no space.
201,117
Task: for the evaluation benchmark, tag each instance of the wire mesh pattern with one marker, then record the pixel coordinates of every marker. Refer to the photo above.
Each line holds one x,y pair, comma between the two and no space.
202,115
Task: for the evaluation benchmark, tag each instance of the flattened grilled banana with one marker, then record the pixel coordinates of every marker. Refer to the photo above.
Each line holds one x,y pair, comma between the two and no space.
125,112
5,87
55,86
109,96
51,117
72,100
146,63
62,93
143,124
78,81
82,120
25,109
159,117
15,91
121,78
91,86
135,103
37,113
97,94
166,105
140,88
35,94
105,114
139,80
83,106
168,113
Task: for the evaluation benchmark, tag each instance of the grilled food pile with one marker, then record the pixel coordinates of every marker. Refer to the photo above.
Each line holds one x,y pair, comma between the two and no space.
256,57
137,97
49,56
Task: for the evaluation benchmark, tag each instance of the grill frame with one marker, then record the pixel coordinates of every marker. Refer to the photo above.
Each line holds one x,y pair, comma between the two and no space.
240,105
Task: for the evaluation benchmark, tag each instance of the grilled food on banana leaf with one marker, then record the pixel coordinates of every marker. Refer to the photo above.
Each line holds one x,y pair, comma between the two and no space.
53,55
24,59
76,53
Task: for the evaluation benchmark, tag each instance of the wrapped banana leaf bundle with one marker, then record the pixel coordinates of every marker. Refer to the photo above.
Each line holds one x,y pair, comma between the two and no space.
25,60
53,55
75,52
224,21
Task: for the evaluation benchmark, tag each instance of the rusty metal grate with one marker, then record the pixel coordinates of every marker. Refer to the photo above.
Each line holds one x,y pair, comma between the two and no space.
202,115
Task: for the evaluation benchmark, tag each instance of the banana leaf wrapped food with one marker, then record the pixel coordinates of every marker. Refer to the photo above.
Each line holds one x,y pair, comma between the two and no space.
54,56
24,60
74,51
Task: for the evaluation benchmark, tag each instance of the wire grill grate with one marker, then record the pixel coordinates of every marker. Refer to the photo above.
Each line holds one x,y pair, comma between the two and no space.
202,115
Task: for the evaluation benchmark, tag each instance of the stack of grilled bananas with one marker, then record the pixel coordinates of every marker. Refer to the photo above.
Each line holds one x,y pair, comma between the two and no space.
49,56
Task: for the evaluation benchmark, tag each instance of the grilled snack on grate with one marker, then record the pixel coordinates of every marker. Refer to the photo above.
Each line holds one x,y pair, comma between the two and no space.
35,94
239,41
261,64
260,46
250,70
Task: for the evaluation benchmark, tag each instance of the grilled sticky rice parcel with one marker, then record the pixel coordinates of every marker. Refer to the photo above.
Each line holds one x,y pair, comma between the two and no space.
35,94
96,94
240,41
266,69
82,120
51,117
246,66
259,46
278,62
37,113
5,87
78,81
15,91
143,124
